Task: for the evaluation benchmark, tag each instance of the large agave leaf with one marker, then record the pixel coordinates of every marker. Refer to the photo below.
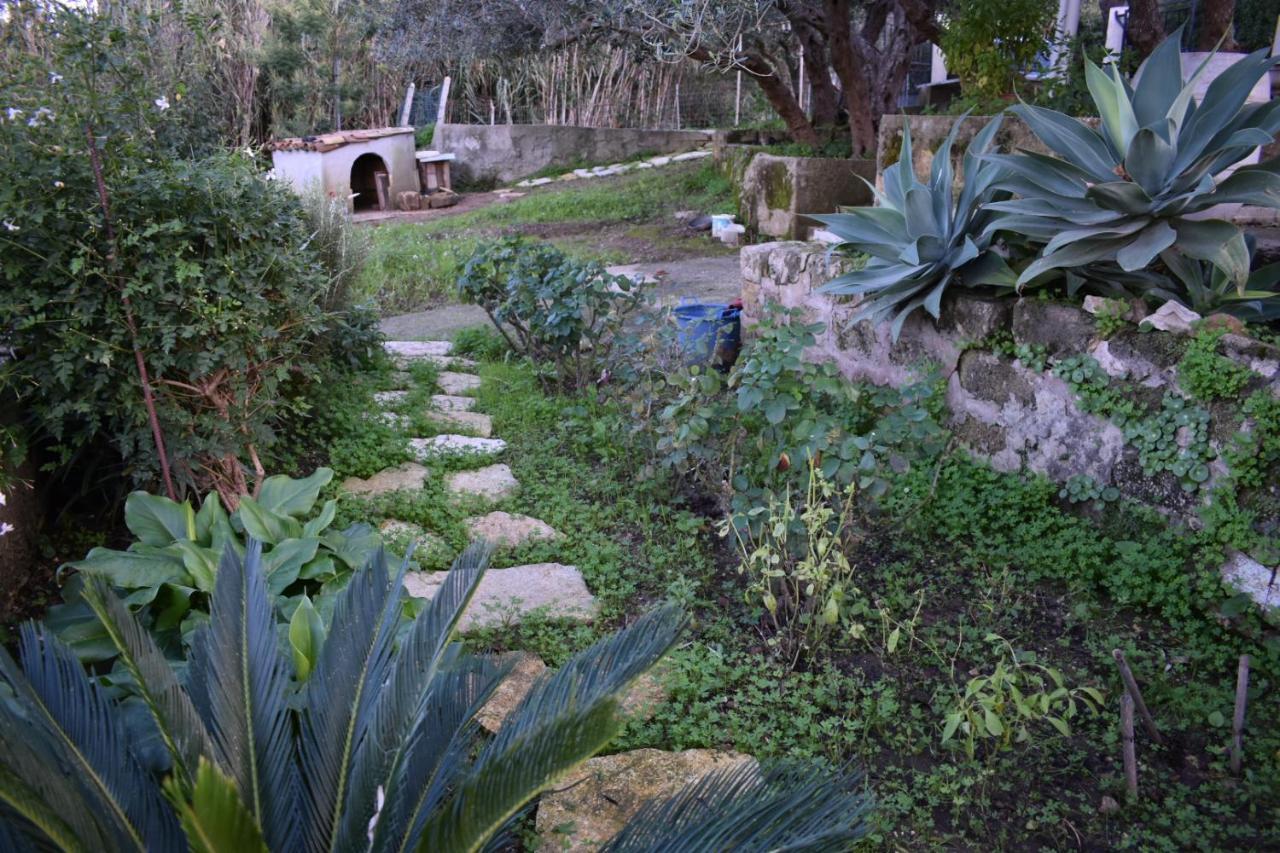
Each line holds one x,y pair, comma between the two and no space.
1218,242
1158,84
1076,254
1114,107
1070,140
1049,174
181,729
58,722
238,681
1223,98
1149,161
787,806
1151,241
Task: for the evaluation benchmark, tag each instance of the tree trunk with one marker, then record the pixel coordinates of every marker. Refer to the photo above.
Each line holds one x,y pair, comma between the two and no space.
1216,19
1145,28
777,92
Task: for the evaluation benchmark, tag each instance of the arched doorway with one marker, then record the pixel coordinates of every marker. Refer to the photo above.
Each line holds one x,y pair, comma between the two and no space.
365,172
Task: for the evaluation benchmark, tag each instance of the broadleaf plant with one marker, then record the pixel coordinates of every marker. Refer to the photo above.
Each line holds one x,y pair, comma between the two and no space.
1138,187
379,750
168,574
919,237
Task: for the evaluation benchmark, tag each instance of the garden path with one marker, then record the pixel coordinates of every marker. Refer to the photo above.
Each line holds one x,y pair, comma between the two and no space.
608,790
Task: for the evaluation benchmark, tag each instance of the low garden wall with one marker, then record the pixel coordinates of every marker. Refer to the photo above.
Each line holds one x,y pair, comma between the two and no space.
1014,414
502,153
774,194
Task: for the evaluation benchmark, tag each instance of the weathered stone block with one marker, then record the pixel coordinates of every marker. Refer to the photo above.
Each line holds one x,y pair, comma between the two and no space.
1061,329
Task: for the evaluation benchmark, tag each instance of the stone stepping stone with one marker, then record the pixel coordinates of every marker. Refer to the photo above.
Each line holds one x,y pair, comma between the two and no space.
450,403
410,475
492,483
597,799
639,702
386,399
393,420
406,532
449,361
439,446
473,422
457,383
401,379
504,530
417,349
504,596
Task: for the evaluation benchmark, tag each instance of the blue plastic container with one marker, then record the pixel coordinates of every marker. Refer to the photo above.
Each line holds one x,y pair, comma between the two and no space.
709,335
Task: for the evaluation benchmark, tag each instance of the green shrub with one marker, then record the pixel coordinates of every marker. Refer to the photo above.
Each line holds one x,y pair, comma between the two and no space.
551,308
990,44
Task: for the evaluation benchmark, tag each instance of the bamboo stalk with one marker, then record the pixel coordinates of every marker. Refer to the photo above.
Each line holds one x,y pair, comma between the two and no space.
1131,685
1237,719
1129,748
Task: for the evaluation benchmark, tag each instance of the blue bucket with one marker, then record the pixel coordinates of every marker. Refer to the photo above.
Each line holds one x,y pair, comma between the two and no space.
709,335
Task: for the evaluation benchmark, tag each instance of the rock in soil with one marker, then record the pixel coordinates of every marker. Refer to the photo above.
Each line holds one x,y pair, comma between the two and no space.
473,422
438,446
506,596
492,483
457,383
410,475
450,403
417,349
504,530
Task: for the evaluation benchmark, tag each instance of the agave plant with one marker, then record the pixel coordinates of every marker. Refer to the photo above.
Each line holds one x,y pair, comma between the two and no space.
1138,186
376,749
919,238
1205,289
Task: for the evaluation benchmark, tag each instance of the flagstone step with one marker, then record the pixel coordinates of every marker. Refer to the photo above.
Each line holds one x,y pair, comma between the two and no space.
439,446
506,596
639,702
505,530
457,383
410,475
404,533
387,399
473,422
417,349
451,403
594,802
451,361
492,483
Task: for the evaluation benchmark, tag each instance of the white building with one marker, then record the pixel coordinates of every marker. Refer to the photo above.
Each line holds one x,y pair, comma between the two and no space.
350,164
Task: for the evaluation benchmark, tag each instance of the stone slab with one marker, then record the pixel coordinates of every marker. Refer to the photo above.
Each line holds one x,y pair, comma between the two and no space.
594,802
491,483
505,530
406,532
386,399
454,445
457,383
472,422
505,596
410,475
1247,575
451,361
451,403
417,349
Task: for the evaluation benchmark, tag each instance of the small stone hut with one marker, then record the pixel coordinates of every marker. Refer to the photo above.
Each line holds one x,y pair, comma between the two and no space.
369,168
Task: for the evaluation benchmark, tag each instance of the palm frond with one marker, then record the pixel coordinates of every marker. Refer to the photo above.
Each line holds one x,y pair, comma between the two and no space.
215,818
340,700
505,779
790,806
181,729
383,743
238,681
46,806
81,729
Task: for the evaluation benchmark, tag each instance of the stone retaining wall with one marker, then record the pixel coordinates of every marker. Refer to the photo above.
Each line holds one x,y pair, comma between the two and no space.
774,194
1001,410
503,153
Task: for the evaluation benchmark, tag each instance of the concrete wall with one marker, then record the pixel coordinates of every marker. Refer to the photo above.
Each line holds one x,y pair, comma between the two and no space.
774,194
503,153
330,171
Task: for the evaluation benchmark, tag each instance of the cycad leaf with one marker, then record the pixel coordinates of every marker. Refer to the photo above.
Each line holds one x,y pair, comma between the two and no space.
790,806
85,739
181,729
215,818
398,706
238,681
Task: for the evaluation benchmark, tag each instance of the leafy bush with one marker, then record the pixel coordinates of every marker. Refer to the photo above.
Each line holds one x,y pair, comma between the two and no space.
373,746
122,259
1126,193
989,44
169,573
550,308
920,240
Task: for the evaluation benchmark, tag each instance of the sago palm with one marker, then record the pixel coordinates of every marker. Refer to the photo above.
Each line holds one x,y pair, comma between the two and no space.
371,745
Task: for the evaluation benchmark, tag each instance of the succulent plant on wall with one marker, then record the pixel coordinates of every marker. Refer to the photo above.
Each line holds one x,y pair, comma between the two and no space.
1140,187
919,237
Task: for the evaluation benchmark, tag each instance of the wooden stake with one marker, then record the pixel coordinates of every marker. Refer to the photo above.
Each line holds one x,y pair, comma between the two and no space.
1127,741
1131,685
1237,720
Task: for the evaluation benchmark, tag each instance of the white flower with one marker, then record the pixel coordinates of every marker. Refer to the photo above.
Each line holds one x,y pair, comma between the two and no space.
55,77
13,113
58,185
40,116
5,527
2,499
9,226
162,103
